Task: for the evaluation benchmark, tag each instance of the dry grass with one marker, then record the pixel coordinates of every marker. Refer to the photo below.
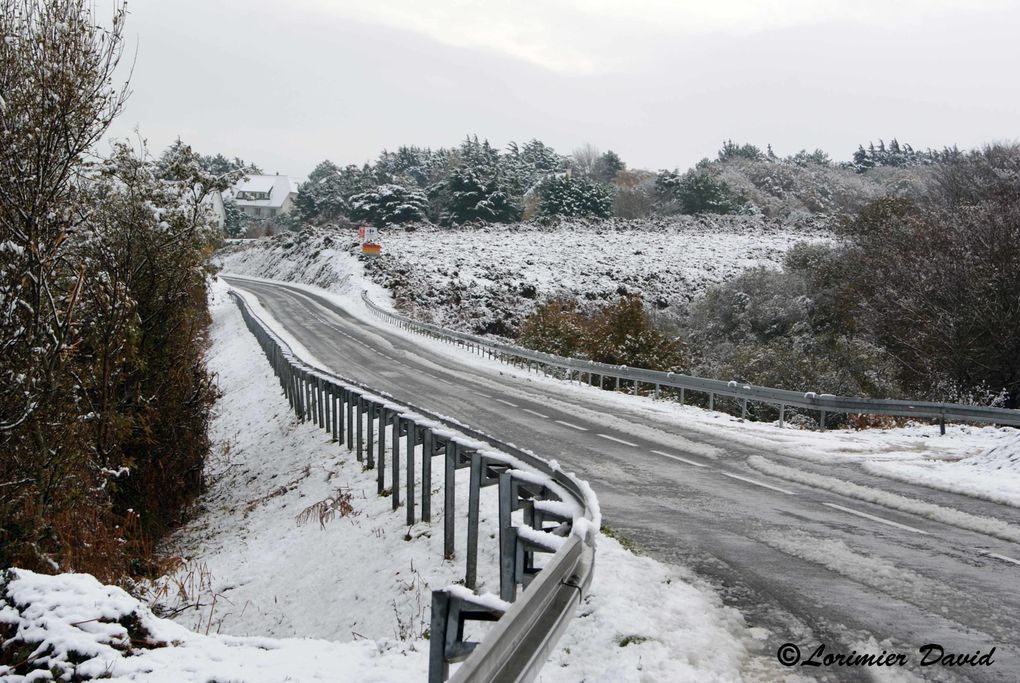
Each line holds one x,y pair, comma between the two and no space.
326,510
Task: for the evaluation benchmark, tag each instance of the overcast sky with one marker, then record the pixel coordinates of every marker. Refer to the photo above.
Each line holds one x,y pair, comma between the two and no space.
661,82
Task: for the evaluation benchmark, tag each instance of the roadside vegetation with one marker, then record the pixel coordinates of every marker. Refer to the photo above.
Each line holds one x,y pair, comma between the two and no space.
106,398
917,300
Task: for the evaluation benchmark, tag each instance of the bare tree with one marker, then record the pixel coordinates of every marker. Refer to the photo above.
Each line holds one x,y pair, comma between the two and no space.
584,160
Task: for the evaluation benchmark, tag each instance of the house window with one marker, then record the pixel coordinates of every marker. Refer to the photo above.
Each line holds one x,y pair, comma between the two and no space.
258,211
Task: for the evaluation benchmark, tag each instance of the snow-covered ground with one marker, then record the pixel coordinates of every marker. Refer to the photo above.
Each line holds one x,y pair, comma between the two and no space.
993,474
488,279
346,599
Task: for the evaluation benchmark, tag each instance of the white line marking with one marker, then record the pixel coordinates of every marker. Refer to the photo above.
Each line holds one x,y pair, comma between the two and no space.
677,457
877,519
508,403
1004,558
757,483
478,393
613,438
572,426
535,413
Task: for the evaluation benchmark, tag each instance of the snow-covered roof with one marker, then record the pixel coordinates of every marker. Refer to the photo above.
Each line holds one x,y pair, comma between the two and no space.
279,188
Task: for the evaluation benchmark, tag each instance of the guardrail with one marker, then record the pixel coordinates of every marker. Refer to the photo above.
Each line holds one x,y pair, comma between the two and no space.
560,515
586,371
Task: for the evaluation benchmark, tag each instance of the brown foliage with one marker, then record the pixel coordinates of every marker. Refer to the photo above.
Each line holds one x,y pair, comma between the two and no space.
620,333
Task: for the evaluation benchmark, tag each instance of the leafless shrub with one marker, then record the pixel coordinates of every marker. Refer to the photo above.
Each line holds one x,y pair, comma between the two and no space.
327,509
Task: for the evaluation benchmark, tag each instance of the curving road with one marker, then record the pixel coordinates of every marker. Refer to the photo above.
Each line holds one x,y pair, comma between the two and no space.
809,565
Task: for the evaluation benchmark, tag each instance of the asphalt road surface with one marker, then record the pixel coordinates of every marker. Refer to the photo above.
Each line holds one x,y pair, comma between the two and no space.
810,565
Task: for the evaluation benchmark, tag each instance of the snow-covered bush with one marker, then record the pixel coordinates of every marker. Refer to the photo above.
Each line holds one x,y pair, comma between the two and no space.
389,204
467,195
699,190
577,197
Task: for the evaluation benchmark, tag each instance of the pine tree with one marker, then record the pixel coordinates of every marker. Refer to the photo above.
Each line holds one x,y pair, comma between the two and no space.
694,192
233,219
565,196
607,166
466,196
390,204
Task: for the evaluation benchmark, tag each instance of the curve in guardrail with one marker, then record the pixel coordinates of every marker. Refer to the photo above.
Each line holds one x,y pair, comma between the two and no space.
586,371
560,515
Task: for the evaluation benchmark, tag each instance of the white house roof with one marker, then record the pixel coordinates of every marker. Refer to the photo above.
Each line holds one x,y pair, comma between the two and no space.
279,188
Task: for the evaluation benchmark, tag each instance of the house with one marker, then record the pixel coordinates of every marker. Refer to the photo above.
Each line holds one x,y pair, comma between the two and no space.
264,196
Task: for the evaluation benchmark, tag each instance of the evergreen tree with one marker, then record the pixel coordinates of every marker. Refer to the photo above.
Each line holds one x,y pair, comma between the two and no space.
731,150
233,219
220,165
607,166
389,204
696,191
523,168
466,196
326,195
565,196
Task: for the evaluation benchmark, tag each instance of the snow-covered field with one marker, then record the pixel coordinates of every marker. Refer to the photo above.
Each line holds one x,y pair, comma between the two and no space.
488,279
347,599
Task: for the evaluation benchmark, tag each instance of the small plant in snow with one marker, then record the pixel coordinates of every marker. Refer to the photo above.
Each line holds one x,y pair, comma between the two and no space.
337,505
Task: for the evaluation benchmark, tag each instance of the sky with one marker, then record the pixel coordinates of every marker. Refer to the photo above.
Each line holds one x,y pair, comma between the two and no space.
661,82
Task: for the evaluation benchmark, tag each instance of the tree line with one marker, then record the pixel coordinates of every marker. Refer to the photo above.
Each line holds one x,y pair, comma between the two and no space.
475,182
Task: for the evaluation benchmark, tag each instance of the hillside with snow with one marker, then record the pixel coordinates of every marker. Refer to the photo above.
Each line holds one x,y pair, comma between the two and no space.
487,279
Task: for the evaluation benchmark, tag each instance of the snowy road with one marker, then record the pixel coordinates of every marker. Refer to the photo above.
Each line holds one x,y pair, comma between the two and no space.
810,562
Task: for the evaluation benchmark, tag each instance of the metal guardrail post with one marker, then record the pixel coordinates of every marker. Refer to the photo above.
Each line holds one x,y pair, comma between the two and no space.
317,403
409,469
341,397
307,415
449,498
370,409
474,492
380,472
439,636
395,462
350,420
359,416
427,451
330,412
507,540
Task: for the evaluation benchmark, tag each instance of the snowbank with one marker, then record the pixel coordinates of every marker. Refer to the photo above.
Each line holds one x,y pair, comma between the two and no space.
993,474
75,628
